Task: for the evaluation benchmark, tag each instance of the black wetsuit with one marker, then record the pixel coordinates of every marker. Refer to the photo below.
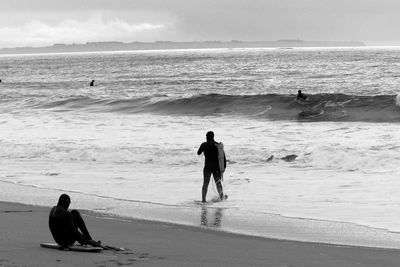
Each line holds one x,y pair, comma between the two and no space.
67,227
211,166
210,151
301,96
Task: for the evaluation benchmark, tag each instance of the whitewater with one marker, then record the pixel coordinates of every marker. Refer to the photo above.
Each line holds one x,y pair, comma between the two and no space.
322,171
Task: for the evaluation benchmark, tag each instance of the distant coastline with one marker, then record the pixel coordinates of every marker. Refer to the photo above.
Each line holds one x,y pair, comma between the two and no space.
167,45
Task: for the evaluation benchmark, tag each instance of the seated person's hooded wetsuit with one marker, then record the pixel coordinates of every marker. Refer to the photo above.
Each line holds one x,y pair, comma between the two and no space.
67,227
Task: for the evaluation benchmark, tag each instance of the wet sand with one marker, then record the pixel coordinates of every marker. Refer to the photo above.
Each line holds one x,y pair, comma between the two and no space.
24,227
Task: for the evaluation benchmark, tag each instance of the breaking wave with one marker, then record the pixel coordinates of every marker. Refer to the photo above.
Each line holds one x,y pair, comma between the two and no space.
319,107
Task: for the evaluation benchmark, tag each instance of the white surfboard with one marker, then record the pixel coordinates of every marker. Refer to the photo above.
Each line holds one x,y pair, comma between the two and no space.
221,158
71,248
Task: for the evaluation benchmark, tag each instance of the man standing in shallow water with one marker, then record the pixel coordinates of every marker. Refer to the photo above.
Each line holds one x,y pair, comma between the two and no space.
211,165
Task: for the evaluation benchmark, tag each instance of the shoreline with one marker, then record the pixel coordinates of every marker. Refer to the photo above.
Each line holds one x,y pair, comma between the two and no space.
163,244
168,45
215,218
210,230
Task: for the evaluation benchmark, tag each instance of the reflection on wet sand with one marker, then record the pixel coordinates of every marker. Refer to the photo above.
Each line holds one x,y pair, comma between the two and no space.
215,214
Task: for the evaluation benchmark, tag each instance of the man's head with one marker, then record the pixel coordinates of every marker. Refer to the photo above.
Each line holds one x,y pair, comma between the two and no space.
64,201
210,136
299,91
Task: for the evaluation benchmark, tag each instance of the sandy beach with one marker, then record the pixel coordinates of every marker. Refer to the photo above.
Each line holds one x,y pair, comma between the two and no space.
24,227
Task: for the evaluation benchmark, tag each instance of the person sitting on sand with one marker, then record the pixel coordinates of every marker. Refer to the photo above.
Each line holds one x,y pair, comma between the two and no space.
68,226
211,165
301,96
92,83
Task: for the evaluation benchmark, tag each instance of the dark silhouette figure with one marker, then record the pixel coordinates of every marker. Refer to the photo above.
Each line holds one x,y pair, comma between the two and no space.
68,226
301,96
92,83
211,165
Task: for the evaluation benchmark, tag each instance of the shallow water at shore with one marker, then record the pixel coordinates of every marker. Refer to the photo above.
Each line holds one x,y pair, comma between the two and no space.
215,218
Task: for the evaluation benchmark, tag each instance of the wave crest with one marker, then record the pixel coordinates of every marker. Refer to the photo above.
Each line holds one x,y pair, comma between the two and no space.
319,107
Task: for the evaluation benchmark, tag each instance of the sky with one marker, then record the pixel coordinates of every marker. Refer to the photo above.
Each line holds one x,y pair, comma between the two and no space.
46,22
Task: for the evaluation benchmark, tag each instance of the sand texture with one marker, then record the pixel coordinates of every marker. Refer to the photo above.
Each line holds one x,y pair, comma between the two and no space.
24,227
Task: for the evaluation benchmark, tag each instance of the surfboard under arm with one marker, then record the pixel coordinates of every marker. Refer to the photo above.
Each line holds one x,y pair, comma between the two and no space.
221,158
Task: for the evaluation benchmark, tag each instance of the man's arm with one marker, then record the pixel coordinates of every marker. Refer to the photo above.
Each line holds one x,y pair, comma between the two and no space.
201,149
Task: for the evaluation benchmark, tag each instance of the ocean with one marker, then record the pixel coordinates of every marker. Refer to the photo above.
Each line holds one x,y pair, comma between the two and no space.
322,171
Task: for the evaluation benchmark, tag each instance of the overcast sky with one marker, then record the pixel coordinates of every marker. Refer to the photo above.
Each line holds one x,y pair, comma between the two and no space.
45,22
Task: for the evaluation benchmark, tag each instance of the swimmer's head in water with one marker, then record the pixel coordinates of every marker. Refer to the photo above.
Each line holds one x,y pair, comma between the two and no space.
64,201
210,136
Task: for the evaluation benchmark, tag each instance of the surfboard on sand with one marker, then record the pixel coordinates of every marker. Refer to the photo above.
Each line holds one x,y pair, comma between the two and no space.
71,248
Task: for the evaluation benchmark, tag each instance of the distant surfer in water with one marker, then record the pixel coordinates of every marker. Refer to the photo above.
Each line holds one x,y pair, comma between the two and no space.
92,83
211,165
68,226
301,96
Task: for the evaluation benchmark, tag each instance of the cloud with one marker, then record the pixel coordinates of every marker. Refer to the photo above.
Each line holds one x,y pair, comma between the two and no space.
44,22
96,28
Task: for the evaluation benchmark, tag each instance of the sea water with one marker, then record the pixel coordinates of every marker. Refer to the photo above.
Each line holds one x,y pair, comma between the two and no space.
326,170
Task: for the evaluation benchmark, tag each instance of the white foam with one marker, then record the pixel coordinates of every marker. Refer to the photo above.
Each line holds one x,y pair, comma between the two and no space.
343,172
